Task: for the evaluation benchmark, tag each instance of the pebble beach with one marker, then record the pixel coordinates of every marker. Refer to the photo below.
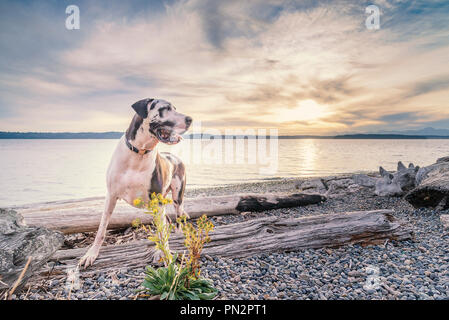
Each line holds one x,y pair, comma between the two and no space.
409,270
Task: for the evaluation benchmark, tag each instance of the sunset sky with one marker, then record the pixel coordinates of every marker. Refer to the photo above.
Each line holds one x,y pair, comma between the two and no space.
304,67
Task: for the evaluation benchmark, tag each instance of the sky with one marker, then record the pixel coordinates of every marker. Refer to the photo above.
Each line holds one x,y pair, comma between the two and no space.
302,67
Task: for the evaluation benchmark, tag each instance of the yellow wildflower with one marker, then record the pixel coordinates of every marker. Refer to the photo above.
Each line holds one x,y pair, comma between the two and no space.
137,202
136,223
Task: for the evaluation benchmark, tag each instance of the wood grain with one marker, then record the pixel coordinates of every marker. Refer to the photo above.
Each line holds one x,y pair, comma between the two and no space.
84,215
252,237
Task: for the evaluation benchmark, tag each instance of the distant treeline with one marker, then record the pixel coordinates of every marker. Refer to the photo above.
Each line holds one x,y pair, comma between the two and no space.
117,135
60,135
382,136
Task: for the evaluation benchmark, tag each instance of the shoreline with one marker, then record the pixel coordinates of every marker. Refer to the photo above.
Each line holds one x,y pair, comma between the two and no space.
411,269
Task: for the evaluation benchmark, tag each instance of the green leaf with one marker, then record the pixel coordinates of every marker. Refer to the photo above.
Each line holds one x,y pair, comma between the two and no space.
164,295
191,295
207,296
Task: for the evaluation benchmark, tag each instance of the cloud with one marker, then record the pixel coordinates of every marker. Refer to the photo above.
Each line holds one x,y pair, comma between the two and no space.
428,86
291,89
399,117
226,63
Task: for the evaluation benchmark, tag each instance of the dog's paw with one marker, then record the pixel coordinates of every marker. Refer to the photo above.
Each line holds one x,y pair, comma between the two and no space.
89,258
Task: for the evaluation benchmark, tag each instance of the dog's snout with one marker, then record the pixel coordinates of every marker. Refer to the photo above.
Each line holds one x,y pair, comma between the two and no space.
188,121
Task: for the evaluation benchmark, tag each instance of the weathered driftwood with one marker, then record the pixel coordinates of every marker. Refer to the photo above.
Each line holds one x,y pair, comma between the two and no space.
394,185
265,235
259,203
339,186
20,244
84,215
432,187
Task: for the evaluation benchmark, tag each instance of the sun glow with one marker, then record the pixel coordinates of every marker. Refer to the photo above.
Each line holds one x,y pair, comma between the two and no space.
307,110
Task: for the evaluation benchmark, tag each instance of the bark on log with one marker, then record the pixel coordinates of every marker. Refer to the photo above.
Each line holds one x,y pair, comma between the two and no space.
433,188
252,237
18,243
259,203
84,215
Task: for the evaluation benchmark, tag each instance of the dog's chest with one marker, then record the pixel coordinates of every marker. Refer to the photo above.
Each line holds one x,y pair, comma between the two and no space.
129,177
134,184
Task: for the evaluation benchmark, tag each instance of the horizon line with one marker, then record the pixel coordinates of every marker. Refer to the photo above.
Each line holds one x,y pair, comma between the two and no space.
118,134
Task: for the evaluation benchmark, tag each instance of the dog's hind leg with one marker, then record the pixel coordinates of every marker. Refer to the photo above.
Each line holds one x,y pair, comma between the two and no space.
177,187
90,256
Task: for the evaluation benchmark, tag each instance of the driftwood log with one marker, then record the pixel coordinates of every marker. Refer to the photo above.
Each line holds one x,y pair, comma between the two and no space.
395,184
84,215
23,249
265,235
432,190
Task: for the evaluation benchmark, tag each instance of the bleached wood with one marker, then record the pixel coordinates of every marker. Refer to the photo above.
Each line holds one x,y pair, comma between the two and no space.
84,215
252,237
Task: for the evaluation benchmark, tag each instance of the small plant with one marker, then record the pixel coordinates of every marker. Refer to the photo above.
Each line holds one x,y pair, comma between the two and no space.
195,239
175,281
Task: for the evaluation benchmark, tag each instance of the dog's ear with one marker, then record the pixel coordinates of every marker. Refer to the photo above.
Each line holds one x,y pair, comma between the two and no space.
141,107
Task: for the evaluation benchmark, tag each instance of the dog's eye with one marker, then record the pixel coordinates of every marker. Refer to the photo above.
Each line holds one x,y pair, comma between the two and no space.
161,111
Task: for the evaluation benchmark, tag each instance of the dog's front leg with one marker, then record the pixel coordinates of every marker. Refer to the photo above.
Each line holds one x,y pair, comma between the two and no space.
90,256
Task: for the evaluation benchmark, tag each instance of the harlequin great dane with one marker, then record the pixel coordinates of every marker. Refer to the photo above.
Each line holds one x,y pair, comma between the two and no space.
137,169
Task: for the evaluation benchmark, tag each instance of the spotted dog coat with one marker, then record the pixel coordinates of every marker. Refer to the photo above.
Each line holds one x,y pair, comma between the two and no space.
138,169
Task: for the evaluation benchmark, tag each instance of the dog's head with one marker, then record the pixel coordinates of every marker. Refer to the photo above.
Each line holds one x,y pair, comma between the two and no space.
165,123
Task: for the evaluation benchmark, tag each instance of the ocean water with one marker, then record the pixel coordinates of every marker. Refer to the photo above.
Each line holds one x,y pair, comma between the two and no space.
49,170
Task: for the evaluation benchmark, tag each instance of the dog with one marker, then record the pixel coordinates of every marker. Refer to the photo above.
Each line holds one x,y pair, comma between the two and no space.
137,169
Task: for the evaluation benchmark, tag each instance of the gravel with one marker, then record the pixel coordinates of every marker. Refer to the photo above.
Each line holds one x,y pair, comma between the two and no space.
413,269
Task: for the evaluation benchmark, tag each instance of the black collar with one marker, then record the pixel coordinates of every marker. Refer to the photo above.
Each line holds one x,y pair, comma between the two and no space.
132,148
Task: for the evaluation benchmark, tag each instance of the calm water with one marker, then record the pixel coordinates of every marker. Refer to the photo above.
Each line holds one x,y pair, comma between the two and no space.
47,170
